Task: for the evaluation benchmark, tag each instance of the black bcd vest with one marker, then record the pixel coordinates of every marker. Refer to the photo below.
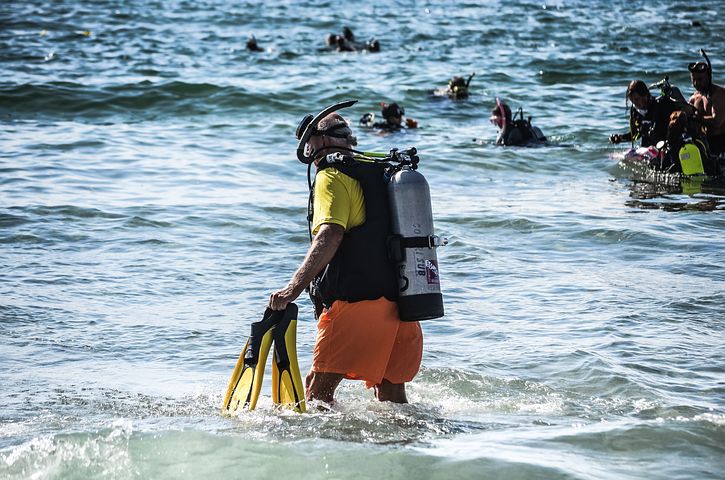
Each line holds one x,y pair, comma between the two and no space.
360,269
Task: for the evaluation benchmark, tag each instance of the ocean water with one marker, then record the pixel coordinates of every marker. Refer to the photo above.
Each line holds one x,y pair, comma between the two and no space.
150,201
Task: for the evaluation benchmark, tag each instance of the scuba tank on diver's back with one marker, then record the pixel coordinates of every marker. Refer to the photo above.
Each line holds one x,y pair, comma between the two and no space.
413,244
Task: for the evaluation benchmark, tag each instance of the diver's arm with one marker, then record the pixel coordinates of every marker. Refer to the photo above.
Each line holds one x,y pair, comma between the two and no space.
716,121
323,249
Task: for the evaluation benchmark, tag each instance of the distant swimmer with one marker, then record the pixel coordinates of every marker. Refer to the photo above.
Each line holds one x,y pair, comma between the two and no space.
648,116
347,43
709,101
457,88
392,114
514,131
252,45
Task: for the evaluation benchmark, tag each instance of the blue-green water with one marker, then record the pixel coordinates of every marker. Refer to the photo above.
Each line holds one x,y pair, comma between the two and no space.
151,201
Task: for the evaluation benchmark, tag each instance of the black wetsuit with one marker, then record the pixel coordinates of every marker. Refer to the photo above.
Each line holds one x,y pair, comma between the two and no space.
519,133
361,269
652,127
716,143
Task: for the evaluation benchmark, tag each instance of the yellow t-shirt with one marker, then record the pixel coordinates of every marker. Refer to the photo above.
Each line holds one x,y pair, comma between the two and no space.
338,199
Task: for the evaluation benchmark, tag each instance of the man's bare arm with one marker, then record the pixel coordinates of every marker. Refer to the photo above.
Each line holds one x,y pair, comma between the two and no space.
323,249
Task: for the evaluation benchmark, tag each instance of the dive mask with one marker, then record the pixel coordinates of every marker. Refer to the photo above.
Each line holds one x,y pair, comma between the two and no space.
499,119
698,67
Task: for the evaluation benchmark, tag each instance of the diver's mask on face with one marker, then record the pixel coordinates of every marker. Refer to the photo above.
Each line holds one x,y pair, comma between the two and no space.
496,120
641,111
339,130
698,67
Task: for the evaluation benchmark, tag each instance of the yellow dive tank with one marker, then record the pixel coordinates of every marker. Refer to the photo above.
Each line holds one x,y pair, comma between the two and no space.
691,160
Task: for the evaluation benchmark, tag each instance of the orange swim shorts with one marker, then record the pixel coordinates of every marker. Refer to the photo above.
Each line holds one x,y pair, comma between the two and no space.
367,341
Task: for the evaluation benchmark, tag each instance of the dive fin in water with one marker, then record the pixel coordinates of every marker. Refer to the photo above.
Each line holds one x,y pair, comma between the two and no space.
279,327
246,381
287,389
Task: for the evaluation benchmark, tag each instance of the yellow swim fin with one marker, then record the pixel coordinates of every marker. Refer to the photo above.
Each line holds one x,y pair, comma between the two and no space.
287,386
246,381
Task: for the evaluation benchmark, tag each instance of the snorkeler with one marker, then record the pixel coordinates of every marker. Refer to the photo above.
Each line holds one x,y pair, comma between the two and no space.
458,87
347,43
252,45
683,153
514,131
392,114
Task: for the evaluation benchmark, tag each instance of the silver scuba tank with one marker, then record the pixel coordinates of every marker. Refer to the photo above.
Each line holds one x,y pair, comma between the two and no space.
413,246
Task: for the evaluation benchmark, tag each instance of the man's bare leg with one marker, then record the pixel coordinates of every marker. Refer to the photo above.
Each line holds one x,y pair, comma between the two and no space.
391,392
322,385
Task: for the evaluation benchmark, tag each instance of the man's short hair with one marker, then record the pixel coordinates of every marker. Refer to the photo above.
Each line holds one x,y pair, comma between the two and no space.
330,120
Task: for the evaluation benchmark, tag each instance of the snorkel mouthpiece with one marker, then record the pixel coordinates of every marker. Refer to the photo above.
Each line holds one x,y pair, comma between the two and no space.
308,126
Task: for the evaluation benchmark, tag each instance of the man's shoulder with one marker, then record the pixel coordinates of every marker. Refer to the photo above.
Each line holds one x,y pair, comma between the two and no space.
333,174
334,178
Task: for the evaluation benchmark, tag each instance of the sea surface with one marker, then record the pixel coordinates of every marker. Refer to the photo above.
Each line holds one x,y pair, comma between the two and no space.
150,201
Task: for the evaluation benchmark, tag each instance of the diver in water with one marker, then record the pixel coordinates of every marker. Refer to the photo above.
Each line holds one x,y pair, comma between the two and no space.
392,114
648,116
457,88
513,131
252,45
683,153
338,43
347,43
709,101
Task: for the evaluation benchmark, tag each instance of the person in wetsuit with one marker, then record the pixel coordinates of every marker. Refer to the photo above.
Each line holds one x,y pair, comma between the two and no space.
648,116
683,152
347,43
514,132
392,118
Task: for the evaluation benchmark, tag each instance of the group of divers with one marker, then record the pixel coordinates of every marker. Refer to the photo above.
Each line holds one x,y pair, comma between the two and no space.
677,136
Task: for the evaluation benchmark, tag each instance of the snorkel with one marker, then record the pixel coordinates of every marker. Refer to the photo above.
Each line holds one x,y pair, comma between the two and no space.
470,77
709,71
308,127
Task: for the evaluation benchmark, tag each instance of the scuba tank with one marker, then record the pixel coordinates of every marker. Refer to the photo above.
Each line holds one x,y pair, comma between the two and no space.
691,159
527,132
413,245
